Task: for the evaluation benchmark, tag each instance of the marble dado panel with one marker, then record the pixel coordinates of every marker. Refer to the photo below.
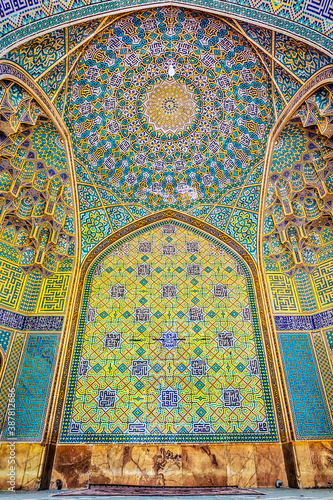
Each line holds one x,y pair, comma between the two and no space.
243,465
28,464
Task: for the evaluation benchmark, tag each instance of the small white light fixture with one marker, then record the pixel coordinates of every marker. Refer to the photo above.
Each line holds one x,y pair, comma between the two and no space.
171,71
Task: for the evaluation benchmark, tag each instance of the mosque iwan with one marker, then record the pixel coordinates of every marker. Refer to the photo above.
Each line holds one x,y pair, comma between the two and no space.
166,244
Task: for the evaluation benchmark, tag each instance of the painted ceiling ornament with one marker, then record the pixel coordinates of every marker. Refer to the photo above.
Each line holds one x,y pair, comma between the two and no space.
169,107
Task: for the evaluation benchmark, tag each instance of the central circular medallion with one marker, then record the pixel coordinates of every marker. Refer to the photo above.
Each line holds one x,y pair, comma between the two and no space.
169,107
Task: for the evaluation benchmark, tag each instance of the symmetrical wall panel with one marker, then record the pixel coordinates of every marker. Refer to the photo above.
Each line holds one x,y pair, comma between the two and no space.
169,347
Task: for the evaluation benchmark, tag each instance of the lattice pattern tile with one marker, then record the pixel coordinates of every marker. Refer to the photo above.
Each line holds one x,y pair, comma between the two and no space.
169,346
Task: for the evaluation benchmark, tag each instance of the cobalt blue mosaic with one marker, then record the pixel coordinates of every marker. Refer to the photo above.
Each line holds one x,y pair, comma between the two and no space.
10,319
315,322
4,339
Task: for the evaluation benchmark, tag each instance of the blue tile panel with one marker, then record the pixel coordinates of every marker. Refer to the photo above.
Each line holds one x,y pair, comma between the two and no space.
317,321
4,339
33,387
9,319
310,414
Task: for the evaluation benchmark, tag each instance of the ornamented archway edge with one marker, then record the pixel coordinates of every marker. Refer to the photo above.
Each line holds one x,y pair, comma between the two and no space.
164,215
321,77
211,231
211,234
13,71
240,12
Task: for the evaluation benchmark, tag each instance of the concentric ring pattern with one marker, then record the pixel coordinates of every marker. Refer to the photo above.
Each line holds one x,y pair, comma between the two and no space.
169,141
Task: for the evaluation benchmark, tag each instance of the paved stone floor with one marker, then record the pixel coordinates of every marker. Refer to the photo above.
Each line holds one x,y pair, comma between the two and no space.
270,494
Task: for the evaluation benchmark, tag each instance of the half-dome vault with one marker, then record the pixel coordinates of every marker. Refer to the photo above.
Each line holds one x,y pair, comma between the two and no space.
169,141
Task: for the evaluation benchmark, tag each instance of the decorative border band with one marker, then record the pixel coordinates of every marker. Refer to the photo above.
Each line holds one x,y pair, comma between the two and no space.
241,12
317,321
19,322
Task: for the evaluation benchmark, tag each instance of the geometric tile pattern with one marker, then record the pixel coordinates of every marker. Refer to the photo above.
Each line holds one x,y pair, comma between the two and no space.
169,346
243,228
298,226
208,178
299,57
199,387
37,229
32,387
5,336
10,373
95,226
317,321
310,413
311,19
131,129
325,367
10,319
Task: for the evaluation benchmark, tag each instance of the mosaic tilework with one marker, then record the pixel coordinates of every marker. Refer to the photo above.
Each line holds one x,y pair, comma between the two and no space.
20,322
119,216
108,197
95,226
54,294
39,53
169,346
5,336
317,321
201,211
11,282
298,226
10,373
329,336
282,293
31,292
258,34
295,17
324,366
305,291
311,416
32,387
88,197
218,217
137,211
287,84
300,58
172,162
243,227
37,222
